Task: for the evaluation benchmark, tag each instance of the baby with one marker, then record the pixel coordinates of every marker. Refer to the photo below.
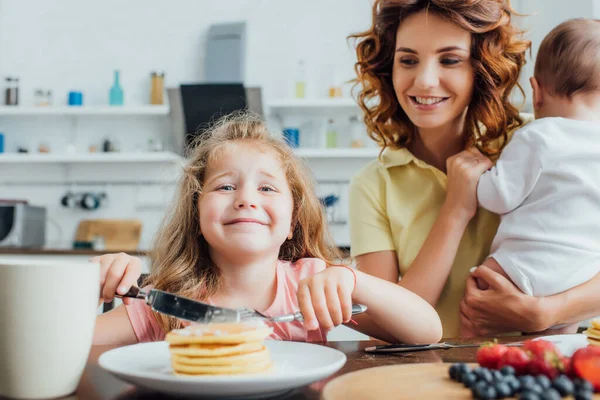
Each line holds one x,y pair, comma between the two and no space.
546,184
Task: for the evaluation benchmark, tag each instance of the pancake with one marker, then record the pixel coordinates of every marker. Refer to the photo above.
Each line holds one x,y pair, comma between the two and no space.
215,349
220,349
230,333
593,333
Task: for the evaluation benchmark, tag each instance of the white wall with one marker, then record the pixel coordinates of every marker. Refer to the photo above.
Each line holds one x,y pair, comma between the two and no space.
541,16
76,45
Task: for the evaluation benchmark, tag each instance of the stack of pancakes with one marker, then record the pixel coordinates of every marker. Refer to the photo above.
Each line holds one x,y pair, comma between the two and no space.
233,348
593,333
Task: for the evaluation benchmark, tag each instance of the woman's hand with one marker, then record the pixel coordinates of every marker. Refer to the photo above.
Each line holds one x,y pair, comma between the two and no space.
118,273
325,299
500,308
464,170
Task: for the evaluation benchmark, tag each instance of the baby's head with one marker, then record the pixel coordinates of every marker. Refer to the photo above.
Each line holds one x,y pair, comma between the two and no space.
567,68
243,194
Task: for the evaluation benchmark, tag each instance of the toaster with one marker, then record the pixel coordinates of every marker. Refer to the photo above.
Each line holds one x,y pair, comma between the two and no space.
22,225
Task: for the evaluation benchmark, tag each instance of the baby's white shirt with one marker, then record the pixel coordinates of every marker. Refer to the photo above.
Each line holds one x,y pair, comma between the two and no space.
546,187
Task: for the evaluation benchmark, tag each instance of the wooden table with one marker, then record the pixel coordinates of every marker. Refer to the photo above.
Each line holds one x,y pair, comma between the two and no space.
97,384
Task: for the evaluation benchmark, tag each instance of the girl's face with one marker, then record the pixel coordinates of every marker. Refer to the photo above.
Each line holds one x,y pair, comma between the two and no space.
246,204
432,74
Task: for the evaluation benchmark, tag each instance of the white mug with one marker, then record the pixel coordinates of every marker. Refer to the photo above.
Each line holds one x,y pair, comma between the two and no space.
47,320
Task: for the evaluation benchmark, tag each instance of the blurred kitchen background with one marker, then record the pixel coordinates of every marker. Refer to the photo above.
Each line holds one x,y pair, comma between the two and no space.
99,99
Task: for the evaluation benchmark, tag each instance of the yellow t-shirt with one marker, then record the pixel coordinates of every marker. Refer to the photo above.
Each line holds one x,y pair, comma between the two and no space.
393,203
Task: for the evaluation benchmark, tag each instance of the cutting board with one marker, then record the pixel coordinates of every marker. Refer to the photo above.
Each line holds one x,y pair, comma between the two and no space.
118,234
406,381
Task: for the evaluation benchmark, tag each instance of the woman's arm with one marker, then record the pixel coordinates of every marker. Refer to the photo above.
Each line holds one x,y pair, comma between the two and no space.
429,271
115,328
504,308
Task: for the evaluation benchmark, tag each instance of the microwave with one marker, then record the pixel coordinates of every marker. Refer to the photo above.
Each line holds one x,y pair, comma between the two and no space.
22,225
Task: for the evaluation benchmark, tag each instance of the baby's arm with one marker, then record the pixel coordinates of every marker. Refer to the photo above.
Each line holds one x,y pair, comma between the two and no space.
506,185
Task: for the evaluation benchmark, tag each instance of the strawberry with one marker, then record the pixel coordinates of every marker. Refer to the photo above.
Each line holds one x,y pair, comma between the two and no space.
566,366
586,364
549,366
516,358
539,348
489,354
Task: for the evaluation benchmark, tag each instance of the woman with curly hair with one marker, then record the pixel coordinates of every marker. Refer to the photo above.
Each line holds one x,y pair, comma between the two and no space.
435,79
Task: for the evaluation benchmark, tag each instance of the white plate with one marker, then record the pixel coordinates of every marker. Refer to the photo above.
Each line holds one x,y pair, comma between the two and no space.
296,365
567,344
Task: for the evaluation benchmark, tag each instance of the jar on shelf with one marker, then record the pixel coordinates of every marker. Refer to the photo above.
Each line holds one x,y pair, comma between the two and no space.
11,93
157,86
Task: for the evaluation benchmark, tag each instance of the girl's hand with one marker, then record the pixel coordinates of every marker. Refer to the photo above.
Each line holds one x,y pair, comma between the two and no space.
502,307
464,170
118,273
325,299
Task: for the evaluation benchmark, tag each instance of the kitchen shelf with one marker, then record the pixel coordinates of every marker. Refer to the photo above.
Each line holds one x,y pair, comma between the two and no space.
85,110
337,153
40,158
341,103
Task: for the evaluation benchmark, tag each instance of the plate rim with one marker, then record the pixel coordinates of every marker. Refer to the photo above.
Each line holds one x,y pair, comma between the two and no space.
312,374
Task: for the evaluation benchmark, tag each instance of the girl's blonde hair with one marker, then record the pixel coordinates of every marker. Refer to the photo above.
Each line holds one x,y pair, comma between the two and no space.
180,259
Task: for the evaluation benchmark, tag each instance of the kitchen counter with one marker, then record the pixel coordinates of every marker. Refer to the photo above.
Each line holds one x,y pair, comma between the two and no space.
67,252
84,252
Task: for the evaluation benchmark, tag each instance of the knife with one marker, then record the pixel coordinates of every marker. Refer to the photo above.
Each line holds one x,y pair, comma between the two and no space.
405,348
196,311
183,308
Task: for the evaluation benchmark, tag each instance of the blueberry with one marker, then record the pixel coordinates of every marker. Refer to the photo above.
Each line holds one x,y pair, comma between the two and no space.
486,375
527,395
551,394
528,382
453,372
543,381
469,379
497,376
486,393
480,389
584,395
503,390
563,385
507,370
527,379
583,384
513,383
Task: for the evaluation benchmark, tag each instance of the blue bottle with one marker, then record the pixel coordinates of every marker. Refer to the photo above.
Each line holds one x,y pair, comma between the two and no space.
116,92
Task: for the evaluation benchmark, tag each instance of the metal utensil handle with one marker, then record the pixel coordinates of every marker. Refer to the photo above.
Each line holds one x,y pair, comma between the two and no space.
134,292
402,348
356,309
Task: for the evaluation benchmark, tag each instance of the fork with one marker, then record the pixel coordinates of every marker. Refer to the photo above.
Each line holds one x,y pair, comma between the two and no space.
247,313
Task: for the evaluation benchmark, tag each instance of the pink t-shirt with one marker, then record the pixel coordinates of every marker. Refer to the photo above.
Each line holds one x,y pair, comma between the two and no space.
289,274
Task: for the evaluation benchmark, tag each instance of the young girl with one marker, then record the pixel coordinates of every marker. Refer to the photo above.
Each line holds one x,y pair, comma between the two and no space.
247,230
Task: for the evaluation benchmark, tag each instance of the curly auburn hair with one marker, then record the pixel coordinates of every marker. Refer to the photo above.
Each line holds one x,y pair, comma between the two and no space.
497,55
180,259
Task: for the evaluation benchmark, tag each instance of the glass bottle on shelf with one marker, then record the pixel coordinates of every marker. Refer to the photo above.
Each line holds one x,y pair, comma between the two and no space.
331,135
357,133
116,92
300,80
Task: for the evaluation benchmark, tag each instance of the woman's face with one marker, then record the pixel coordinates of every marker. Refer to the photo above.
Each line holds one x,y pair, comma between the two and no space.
433,76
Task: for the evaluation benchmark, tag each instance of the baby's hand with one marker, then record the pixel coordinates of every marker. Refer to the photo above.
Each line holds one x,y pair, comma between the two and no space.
325,299
118,273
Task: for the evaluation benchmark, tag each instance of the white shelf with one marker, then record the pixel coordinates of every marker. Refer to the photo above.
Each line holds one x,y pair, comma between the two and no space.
337,153
341,103
85,110
39,158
